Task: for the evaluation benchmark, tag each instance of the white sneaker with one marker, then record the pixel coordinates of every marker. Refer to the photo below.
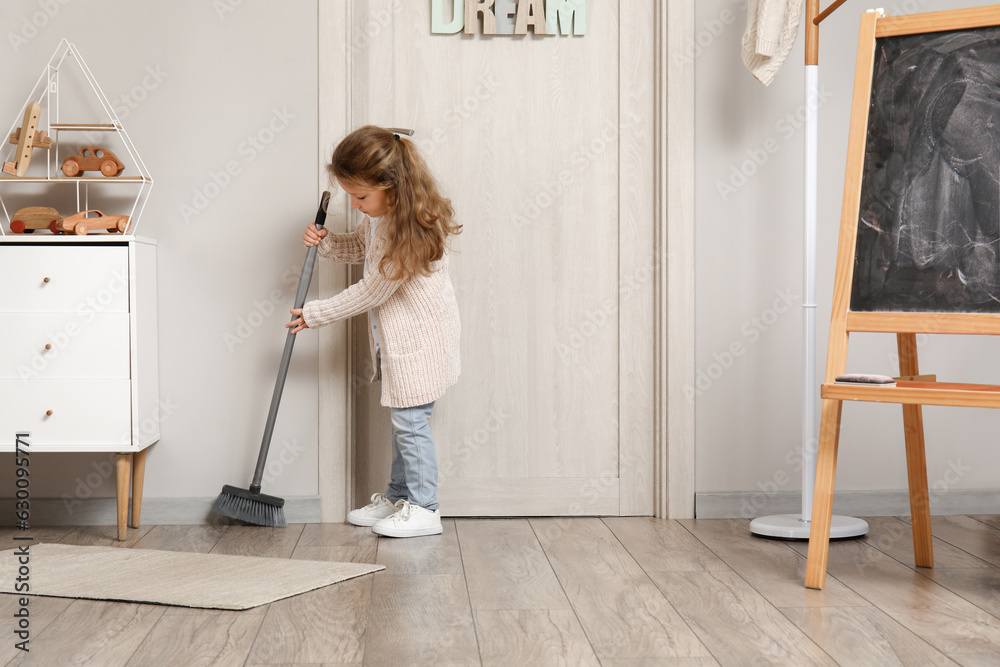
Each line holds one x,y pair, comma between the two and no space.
409,521
378,509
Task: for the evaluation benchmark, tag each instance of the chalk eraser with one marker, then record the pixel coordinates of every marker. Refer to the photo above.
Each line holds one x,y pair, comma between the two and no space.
866,378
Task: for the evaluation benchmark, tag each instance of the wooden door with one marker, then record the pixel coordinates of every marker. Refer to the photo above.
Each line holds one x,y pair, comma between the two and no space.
545,145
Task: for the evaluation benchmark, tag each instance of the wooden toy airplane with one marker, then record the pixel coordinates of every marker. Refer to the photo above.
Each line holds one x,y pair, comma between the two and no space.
26,137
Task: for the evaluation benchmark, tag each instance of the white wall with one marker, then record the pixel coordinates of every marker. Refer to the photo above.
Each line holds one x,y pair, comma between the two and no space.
749,252
221,77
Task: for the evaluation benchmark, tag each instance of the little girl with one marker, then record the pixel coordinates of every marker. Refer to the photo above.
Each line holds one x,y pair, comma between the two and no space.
412,313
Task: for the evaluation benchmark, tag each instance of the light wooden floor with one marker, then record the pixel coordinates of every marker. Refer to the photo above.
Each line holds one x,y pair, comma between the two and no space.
622,591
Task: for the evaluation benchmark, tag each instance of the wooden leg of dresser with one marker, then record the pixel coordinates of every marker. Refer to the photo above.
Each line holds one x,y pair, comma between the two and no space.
124,473
138,472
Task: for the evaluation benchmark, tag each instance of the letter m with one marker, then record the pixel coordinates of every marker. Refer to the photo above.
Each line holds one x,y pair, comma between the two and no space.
566,13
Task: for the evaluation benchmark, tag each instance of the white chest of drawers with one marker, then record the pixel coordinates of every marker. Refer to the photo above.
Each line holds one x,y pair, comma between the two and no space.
78,363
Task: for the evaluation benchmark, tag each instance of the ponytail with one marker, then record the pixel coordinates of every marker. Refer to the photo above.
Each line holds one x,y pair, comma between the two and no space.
418,217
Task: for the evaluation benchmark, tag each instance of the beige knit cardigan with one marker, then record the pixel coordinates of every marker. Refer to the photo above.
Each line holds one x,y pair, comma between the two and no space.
419,322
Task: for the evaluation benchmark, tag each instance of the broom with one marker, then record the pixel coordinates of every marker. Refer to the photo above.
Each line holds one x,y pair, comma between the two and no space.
251,505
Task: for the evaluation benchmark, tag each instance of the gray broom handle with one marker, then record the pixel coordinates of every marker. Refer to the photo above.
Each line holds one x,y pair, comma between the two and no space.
286,356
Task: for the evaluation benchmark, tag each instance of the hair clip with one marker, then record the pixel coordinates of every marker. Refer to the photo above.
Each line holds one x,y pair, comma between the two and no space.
400,130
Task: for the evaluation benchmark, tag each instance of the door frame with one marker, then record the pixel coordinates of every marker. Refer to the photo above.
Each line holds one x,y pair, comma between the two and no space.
673,354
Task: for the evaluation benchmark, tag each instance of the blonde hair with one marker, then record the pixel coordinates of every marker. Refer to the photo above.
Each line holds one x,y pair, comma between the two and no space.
418,218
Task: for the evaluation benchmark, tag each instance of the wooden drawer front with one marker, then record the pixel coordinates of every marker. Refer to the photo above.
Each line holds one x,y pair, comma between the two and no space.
80,279
84,412
82,346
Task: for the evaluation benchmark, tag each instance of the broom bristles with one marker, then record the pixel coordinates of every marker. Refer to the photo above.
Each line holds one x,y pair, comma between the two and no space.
259,509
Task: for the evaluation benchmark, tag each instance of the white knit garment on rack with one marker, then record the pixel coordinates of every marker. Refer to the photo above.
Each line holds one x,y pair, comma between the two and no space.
772,26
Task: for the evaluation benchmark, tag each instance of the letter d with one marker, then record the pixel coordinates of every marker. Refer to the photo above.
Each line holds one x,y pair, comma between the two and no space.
438,26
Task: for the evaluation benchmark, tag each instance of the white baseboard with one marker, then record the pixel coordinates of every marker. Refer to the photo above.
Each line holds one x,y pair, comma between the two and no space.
751,504
155,511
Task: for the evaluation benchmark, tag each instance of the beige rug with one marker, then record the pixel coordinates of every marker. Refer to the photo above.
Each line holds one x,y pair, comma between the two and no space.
170,577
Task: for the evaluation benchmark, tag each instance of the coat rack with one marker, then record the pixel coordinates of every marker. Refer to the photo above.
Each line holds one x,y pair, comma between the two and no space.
796,526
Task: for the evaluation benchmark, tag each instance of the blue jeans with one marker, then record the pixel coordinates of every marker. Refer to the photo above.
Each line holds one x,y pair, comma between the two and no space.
414,474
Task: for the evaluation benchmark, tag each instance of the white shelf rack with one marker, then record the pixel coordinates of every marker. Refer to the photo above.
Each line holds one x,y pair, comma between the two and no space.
46,93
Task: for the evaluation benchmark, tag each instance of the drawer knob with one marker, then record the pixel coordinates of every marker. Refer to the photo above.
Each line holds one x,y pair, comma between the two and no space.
46,279
48,413
48,346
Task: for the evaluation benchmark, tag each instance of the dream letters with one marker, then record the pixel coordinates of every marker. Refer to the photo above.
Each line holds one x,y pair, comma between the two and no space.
510,17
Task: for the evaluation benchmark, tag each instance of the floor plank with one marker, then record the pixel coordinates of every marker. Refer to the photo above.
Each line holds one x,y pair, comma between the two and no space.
945,620
979,586
103,536
621,610
505,567
989,519
261,541
41,612
39,535
197,640
312,664
327,624
201,611
967,534
336,535
421,619
351,554
190,539
338,542
864,636
661,545
92,632
770,566
662,662
734,620
532,637
433,554
894,537
977,660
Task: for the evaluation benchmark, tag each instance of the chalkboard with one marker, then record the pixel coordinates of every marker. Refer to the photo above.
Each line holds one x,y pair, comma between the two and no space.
929,221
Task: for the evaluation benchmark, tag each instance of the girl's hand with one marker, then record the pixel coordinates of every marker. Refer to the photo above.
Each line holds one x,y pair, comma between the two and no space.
312,235
299,323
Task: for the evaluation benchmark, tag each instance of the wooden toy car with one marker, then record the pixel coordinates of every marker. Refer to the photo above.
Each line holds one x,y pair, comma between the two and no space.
27,220
93,158
80,224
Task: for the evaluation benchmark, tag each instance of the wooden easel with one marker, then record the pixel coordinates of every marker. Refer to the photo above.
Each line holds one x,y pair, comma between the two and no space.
912,390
